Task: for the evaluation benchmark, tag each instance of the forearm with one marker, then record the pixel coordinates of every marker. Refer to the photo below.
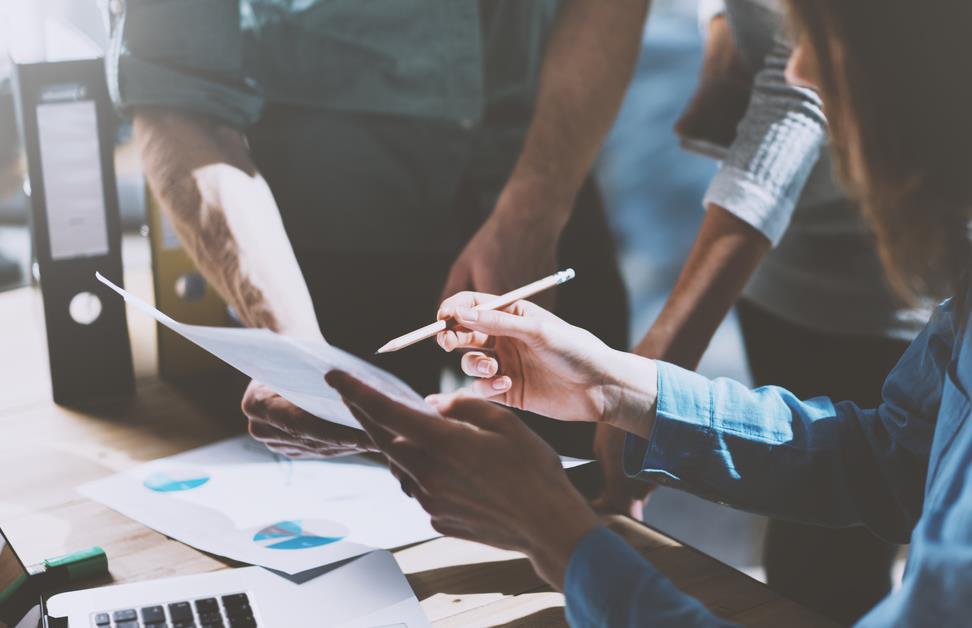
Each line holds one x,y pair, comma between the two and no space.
720,263
768,452
226,218
723,257
608,583
588,64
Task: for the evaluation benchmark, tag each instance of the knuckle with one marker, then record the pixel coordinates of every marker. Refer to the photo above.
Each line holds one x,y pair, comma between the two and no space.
251,404
434,506
446,403
257,401
440,526
539,329
431,482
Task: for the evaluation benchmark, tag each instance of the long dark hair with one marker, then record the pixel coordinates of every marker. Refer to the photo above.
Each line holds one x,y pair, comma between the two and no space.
895,80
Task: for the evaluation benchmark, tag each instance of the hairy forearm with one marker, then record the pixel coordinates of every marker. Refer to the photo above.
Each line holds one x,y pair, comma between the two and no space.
586,70
723,257
226,218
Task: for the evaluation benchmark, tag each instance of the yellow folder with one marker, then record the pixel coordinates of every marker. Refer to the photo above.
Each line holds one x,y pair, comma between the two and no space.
182,293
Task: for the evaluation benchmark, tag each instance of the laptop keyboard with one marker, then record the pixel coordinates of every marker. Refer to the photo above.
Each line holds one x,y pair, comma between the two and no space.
228,611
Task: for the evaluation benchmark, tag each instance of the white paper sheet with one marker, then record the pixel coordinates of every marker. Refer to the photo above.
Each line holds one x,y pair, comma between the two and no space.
291,367
236,499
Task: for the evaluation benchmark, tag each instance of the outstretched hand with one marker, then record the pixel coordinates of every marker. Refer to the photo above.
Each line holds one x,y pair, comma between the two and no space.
287,430
527,358
512,248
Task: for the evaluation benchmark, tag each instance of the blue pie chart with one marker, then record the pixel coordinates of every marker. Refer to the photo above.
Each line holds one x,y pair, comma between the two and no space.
173,481
298,535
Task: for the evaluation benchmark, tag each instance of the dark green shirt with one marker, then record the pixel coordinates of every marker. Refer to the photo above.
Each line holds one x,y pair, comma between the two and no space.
439,59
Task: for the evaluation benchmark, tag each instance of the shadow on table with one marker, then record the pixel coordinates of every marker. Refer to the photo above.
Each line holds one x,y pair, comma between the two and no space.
506,577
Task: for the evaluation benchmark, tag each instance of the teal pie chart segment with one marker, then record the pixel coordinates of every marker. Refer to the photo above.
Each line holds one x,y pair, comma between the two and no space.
174,481
299,535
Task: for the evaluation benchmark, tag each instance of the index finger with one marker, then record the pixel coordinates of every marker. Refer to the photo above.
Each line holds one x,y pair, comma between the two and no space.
465,299
454,337
388,413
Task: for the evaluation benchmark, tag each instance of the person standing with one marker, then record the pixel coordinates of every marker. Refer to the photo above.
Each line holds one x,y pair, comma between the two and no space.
343,165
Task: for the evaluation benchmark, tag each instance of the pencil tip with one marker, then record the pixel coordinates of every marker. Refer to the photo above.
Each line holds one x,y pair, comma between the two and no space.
384,349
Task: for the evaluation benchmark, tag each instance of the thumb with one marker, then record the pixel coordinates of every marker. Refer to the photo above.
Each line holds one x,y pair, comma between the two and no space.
497,323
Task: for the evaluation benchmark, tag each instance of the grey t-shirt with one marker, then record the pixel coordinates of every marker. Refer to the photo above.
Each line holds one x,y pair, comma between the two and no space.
823,272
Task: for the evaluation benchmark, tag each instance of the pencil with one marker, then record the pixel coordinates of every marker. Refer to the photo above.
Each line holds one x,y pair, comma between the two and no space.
498,303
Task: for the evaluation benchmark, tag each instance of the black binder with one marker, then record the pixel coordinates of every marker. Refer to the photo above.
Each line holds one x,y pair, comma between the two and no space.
67,125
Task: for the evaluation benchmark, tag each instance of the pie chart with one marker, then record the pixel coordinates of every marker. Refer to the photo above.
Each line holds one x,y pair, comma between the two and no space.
298,534
175,480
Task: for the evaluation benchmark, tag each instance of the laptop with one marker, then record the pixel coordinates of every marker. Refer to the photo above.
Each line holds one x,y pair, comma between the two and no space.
365,592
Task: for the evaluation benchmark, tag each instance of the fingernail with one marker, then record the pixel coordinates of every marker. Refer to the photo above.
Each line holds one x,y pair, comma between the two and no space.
336,379
467,314
484,367
502,383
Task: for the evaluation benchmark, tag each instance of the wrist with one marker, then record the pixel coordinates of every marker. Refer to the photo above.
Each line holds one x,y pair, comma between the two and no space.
630,391
535,203
553,546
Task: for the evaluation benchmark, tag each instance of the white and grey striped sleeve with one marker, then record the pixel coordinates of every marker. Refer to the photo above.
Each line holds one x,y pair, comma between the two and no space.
777,145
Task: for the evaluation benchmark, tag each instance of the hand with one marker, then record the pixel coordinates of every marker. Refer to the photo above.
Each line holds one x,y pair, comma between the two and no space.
511,249
722,95
620,494
527,358
482,475
287,430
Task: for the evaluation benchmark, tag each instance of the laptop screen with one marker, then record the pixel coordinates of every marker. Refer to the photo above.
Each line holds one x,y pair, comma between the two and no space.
13,574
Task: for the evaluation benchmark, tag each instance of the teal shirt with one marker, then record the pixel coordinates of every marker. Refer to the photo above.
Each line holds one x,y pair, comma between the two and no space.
439,59
394,104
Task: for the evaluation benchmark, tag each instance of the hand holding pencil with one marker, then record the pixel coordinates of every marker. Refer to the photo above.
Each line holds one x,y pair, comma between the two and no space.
527,291
527,357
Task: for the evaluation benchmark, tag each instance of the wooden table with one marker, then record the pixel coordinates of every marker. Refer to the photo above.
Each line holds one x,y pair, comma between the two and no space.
46,451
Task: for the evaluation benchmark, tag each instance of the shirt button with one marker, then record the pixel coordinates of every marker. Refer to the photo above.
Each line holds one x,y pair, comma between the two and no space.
117,7
467,123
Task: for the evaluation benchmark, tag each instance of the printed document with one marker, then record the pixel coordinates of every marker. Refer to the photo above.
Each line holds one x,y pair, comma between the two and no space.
236,499
291,367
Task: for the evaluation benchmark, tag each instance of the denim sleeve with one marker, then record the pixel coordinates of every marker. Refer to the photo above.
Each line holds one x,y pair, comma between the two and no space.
813,461
185,54
777,145
609,584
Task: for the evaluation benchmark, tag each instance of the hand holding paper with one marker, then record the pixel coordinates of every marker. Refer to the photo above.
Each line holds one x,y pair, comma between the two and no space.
291,367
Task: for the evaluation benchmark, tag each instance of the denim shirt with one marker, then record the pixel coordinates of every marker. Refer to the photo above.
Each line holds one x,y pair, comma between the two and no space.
903,469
